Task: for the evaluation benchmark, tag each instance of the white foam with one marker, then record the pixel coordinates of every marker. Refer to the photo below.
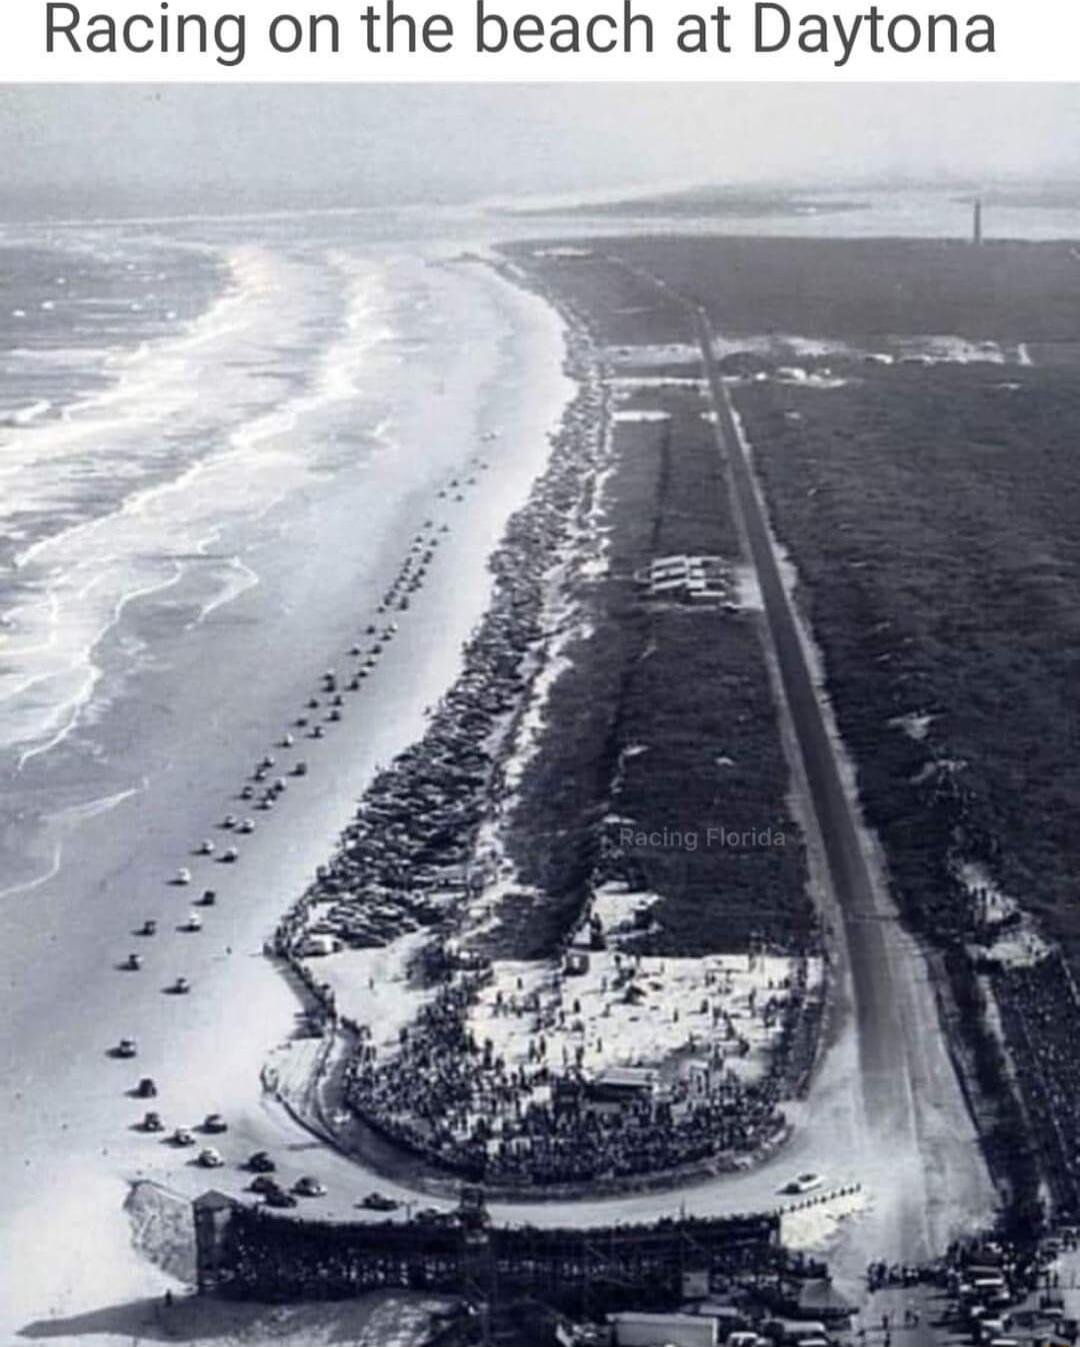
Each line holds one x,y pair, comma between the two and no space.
207,414
25,416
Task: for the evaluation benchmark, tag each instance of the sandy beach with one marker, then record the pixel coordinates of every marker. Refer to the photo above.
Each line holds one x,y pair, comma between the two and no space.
179,738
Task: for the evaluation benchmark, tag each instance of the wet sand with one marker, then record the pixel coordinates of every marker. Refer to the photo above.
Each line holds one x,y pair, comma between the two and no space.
187,731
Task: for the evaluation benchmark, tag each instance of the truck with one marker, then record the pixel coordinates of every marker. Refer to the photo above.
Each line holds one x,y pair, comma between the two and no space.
638,1329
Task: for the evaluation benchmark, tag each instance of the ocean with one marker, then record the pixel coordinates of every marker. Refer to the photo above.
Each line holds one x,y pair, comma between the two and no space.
166,396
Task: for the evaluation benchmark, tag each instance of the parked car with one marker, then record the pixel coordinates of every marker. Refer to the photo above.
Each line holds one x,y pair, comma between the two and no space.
309,1187
146,1088
214,1122
379,1202
152,1122
183,876
263,1183
126,1048
210,1158
278,1197
149,927
261,1163
432,1216
183,1136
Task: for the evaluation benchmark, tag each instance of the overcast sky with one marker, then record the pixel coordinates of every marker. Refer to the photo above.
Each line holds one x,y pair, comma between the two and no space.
117,149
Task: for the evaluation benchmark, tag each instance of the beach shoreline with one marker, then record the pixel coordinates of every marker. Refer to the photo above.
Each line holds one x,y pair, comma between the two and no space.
206,1051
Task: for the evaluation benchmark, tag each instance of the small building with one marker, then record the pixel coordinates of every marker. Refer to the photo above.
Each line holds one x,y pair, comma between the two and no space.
622,1085
212,1212
687,578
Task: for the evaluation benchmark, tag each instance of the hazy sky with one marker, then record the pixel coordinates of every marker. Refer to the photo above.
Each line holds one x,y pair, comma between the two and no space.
115,149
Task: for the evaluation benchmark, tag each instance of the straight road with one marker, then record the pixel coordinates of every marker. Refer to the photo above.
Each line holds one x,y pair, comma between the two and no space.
919,1149
882,1050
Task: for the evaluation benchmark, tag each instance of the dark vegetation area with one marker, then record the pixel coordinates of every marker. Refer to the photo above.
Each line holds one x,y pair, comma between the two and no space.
846,288
723,202
665,722
930,515
931,512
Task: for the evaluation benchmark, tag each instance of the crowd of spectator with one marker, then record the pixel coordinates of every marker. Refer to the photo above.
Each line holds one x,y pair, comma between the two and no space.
1040,1014
455,1101
409,855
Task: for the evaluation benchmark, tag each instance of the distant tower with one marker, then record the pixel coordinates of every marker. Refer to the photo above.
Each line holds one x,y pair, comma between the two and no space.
976,236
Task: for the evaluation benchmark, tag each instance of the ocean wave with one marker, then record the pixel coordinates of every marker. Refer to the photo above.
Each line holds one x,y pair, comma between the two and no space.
25,416
200,432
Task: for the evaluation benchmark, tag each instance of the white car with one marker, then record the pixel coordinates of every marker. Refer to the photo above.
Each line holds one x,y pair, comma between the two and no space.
183,876
210,1158
803,1183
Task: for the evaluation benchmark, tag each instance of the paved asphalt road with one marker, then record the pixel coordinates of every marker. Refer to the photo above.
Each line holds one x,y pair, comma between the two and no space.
882,1050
